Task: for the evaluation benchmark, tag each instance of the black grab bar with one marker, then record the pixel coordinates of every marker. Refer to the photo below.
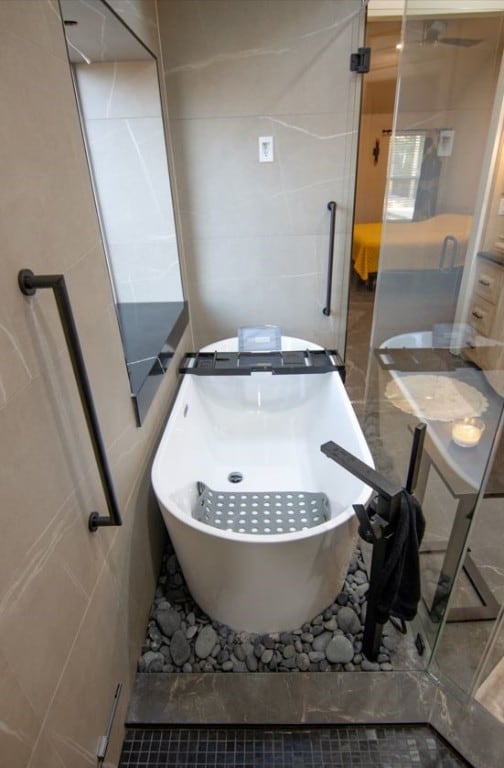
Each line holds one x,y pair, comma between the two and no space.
331,206
29,283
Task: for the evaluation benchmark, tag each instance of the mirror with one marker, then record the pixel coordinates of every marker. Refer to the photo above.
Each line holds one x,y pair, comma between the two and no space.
117,87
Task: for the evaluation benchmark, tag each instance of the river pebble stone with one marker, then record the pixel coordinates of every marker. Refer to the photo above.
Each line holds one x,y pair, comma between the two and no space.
348,621
321,641
339,650
179,648
206,641
180,637
168,621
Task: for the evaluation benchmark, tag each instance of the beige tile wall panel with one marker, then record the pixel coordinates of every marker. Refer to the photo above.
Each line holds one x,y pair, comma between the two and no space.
256,234
20,725
73,605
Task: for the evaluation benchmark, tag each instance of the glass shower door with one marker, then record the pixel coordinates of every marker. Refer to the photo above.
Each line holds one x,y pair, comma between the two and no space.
429,314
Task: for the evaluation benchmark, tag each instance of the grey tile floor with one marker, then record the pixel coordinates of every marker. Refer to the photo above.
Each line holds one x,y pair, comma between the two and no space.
348,747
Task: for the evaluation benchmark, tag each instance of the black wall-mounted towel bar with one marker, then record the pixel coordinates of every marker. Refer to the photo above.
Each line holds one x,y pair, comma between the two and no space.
29,283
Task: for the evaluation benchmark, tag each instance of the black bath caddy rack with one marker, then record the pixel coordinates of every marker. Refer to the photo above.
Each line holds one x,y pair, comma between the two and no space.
246,363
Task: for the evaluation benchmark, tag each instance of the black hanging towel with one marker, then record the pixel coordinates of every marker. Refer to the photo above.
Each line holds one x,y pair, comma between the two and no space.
399,585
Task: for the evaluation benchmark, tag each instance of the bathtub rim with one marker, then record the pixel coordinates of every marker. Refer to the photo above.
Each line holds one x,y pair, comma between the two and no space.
230,344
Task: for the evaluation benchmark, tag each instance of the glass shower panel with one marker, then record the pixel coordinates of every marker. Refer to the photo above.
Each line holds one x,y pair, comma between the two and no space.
420,366
469,653
489,679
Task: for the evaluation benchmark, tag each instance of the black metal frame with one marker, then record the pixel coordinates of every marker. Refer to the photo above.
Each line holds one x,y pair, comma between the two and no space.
28,284
377,528
489,608
278,362
331,206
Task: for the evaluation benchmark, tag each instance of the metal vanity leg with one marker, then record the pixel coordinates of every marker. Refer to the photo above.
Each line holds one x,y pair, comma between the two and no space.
454,551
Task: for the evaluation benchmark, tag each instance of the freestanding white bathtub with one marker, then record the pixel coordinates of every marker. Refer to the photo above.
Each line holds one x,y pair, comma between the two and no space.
269,428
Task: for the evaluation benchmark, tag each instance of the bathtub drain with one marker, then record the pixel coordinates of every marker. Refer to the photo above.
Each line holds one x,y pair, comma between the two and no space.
235,477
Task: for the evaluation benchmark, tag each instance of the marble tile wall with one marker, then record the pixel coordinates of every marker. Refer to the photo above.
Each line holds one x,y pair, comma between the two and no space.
256,235
73,605
124,130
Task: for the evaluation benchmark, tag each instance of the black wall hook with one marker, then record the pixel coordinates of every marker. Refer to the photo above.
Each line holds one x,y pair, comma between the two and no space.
376,151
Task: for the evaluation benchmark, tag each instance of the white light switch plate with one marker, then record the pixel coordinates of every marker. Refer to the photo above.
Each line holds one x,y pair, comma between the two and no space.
266,149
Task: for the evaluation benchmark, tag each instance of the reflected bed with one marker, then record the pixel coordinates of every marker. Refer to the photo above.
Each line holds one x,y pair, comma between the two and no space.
429,244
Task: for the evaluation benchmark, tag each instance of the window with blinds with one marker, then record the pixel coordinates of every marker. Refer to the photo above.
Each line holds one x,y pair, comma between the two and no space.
406,162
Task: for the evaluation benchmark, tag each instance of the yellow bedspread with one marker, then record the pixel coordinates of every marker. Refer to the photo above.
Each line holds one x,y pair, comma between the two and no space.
366,248
410,244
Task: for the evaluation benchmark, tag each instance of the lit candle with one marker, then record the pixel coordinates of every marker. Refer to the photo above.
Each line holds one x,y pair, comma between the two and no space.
467,432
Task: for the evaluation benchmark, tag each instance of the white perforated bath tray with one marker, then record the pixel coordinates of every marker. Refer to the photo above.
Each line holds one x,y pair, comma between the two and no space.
261,513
